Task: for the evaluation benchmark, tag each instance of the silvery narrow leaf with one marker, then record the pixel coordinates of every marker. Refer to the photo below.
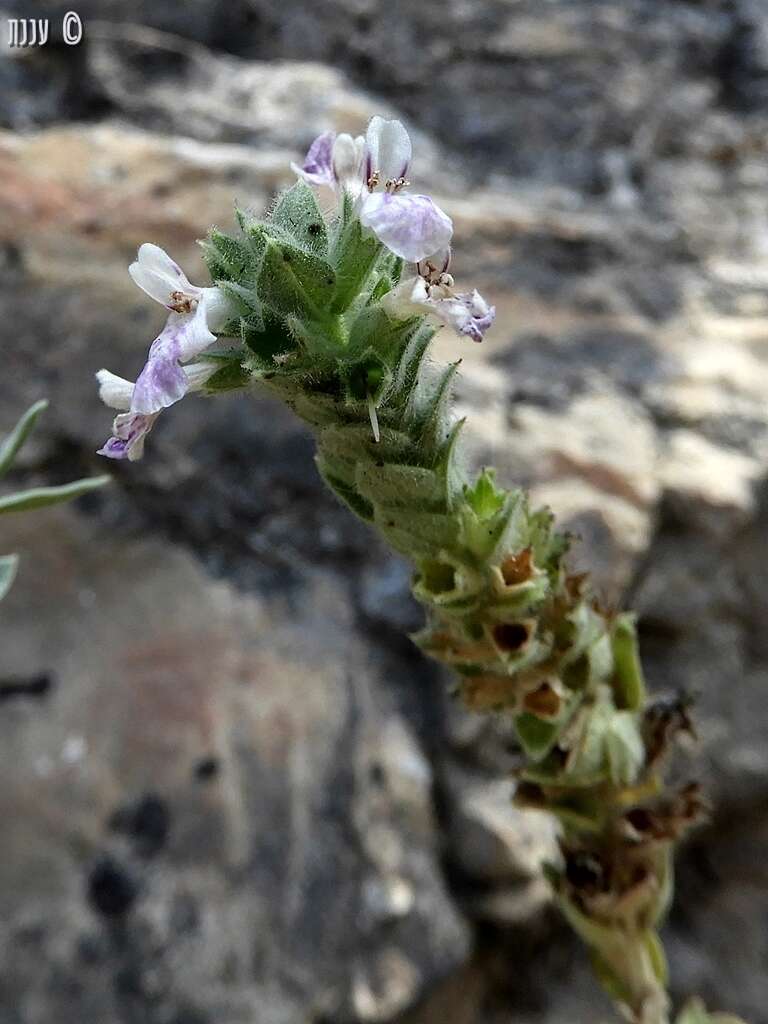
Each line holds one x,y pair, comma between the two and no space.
41,496
8,567
18,435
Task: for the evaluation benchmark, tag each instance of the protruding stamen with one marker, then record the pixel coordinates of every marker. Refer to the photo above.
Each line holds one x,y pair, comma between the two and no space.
436,273
393,185
373,181
374,419
182,303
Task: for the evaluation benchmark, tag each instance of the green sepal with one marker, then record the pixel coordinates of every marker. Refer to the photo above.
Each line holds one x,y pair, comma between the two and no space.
537,736
628,681
609,741
441,581
508,532
366,378
484,498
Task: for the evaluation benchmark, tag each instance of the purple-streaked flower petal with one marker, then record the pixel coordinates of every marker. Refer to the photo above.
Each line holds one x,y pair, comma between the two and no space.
467,313
471,315
159,276
163,381
412,227
127,441
388,150
317,168
117,392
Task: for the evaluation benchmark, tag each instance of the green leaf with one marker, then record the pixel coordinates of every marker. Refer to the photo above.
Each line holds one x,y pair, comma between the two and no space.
228,258
411,361
346,493
8,566
245,300
18,435
292,280
231,377
298,213
269,339
354,256
400,486
429,409
42,496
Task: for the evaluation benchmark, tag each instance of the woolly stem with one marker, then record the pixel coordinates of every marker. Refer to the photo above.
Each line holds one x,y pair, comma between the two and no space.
525,639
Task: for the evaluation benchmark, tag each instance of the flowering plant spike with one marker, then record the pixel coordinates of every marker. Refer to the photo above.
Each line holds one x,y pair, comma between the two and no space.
326,314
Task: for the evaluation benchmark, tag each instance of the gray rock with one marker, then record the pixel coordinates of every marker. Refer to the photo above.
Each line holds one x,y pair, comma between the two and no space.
215,805
262,842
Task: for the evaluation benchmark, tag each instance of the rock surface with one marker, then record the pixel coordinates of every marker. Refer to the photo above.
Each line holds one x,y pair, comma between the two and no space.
237,793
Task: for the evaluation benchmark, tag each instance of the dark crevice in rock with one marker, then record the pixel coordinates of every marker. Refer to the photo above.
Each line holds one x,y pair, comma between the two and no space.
146,822
206,769
111,888
36,687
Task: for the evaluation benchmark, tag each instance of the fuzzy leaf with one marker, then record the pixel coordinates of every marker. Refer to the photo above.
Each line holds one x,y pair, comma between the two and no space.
354,256
292,280
403,486
429,409
231,377
298,213
228,258
266,340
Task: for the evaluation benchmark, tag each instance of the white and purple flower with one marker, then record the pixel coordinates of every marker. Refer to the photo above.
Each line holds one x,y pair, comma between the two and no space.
131,427
195,313
431,293
374,170
334,160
